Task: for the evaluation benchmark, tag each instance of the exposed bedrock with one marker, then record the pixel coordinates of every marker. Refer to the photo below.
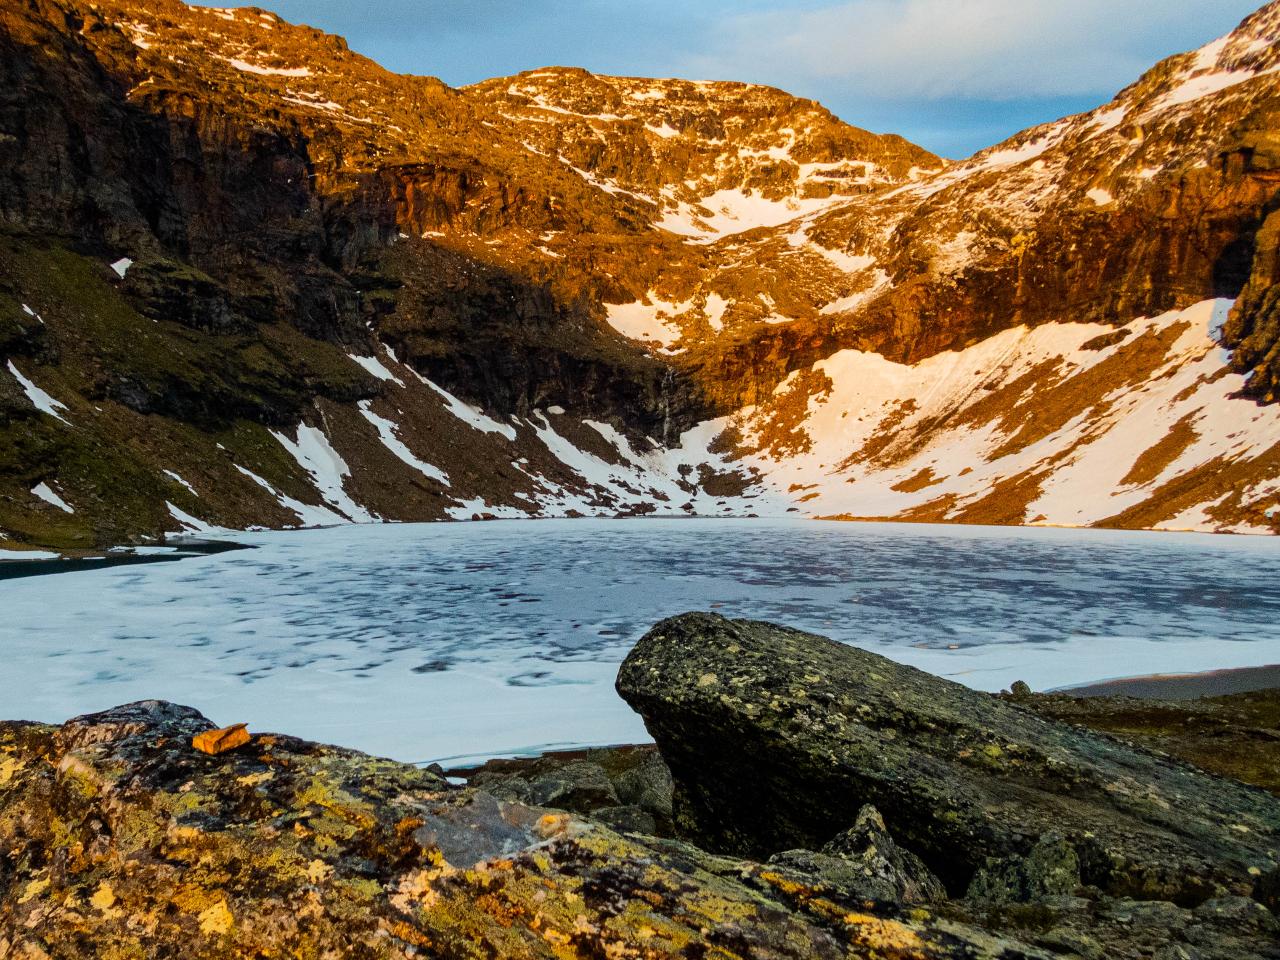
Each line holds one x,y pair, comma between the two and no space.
1253,328
776,738
118,839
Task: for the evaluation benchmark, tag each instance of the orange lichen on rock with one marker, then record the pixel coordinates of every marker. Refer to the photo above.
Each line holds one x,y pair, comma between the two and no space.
214,742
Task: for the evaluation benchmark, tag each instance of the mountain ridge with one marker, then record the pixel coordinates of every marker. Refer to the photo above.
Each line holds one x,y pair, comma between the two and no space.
340,293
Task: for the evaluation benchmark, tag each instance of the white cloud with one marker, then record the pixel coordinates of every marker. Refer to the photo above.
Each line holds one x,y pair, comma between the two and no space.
987,49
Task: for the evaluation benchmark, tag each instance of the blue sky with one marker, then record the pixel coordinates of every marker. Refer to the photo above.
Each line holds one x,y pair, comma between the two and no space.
952,75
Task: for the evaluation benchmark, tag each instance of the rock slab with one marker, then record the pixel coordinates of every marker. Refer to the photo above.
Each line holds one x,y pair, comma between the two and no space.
776,738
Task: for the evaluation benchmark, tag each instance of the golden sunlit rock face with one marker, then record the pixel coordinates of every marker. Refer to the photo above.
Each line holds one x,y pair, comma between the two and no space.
251,277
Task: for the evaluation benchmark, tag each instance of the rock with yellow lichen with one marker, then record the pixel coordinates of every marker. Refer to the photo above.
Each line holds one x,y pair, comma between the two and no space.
775,738
118,839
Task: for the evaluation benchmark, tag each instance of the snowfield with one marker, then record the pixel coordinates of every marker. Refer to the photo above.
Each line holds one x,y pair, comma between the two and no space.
1138,408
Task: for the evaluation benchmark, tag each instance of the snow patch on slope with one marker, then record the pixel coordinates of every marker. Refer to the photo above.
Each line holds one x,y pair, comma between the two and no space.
245,66
652,479
649,322
308,515
376,367
42,401
472,416
192,524
177,478
387,434
316,455
729,212
47,494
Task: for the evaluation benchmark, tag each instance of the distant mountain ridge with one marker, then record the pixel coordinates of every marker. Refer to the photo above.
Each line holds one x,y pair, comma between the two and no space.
342,294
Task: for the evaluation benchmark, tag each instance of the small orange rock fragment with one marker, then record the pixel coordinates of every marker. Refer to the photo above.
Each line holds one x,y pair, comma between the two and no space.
220,741
552,825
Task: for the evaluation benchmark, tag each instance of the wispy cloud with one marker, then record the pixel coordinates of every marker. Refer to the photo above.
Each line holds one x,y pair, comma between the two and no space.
946,49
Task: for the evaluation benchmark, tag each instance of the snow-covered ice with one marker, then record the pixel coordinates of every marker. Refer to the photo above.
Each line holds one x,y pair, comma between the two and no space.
464,641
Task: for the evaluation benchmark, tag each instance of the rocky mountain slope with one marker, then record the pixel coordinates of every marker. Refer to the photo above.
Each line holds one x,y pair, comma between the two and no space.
248,277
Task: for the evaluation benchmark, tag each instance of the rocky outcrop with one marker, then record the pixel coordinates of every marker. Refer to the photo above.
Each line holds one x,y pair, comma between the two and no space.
775,738
1253,329
117,838
628,788
866,863
1234,735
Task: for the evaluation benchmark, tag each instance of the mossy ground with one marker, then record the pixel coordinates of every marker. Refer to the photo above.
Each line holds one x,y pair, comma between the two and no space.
1236,736
143,397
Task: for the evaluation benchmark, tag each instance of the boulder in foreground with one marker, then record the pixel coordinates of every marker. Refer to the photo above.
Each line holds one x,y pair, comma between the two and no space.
776,738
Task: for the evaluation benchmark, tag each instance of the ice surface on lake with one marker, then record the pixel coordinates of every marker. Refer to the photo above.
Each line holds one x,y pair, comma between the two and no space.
440,641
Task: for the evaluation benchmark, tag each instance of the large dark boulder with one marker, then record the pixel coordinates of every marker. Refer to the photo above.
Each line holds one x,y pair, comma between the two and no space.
776,738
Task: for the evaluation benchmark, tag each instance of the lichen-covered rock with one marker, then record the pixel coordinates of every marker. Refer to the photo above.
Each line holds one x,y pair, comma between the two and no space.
648,785
579,786
1240,914
626,818
1111,928
1052,868
865,863
745,712
118,839
630,787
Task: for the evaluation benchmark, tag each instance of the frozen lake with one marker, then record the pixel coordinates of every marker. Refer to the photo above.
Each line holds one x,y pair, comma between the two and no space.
468,640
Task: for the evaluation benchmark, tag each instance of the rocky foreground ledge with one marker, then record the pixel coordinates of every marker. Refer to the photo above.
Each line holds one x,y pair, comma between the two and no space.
806,800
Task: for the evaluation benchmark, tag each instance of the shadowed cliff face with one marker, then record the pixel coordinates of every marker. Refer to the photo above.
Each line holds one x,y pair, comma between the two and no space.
1253,329
220,223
